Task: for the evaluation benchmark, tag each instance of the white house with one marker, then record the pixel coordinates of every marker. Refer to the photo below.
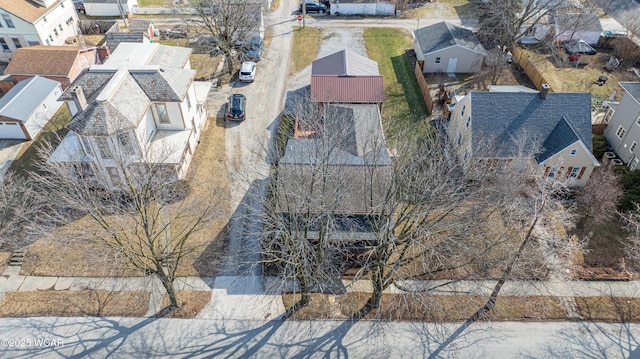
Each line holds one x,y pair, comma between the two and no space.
28,107
109,7
141,105
35,22
361,7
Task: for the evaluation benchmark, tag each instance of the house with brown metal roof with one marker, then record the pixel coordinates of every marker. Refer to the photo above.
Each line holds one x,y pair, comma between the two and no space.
58,63
346,77
35,22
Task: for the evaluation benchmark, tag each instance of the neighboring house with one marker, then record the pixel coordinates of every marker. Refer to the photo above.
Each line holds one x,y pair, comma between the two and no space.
339,165
445,47
35,22
553,129
28,107
623,130
110,7
361,7
58,63
583,26
346,77
141,105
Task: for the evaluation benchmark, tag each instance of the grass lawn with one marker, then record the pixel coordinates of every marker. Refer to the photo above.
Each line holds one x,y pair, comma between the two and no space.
55,130
205,65
71,303
191,303
403,105
155,3
306,43
570,79
440,9
605,248
429,308
609,309
68,251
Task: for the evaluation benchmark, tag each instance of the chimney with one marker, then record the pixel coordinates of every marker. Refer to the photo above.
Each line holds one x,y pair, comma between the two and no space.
544,90
78,98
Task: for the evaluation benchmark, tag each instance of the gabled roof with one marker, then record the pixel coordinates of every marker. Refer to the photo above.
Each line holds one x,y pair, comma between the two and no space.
560,138
633,89
43,60
346,77
164,85
119,105
25,9
344,63
20,102
506,123
570,22
445,34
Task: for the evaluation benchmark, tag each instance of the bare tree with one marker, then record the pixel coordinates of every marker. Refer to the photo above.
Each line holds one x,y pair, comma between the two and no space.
600,197
138,208
227,26
632,220
20,212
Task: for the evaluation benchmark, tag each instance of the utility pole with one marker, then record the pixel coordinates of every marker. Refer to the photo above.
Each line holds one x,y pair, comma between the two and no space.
304,13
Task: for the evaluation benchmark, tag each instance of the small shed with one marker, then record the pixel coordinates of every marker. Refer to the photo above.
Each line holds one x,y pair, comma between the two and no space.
361,7
445,47
28,107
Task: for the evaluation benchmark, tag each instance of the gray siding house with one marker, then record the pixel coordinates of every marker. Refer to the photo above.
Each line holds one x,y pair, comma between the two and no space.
445,47
623,130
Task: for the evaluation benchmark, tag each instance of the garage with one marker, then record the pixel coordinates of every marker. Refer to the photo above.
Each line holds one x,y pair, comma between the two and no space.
361,7
11,130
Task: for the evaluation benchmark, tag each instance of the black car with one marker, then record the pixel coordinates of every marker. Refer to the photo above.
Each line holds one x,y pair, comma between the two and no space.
314,6
236,106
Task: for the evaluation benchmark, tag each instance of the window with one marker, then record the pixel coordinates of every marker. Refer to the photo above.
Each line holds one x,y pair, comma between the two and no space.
8,20
575,173
552,172
638,121
573,152
55,31
47,41
633,146
50,38
459,139
621,131
468,121
462,112
188,101
125,143
103,146
16,42
87,146
5,46
60,27
437,60
161,111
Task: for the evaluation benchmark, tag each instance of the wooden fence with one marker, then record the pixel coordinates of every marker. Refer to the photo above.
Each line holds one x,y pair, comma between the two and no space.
424,88
532,71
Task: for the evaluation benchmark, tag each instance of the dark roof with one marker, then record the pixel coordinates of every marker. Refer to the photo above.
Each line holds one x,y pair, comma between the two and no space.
633,88
351,158
164,85
445,34
90,83
506,123
561,137
578,47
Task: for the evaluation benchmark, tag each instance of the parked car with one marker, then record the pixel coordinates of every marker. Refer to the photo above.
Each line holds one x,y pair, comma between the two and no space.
254,50
236,106
247,71
314,6
79,5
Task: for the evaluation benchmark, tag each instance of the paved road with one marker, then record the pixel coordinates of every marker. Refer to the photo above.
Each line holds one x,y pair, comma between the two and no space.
129,338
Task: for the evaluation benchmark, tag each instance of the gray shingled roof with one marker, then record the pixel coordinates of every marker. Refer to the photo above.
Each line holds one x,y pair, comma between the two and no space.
445,34
344,63
561,137
505,119
355,170
90,83
633,88
164,85
106,114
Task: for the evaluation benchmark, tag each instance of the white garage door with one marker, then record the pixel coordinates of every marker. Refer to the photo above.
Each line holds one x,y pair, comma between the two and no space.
11,130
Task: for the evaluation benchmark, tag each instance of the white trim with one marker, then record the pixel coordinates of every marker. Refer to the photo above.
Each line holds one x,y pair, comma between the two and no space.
456,45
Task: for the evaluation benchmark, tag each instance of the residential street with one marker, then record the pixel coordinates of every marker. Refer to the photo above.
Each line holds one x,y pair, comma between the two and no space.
129,338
